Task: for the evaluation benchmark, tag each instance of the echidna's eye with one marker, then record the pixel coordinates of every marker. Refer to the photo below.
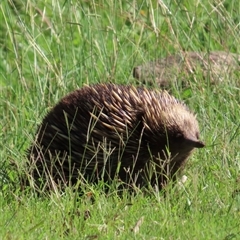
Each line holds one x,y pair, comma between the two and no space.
197,135
179,136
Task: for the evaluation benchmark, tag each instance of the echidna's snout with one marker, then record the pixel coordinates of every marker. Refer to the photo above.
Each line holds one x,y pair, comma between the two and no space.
199,144
195,143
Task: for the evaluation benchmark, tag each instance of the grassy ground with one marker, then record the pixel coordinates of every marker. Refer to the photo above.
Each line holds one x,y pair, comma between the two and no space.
48,48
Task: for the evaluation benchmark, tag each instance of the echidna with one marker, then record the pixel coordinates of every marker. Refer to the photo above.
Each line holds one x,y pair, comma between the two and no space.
106,130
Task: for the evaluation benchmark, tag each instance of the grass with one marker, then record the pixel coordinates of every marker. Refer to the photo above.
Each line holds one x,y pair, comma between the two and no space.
49,48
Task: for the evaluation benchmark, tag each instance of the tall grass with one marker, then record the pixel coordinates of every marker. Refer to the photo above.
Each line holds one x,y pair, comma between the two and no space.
49,48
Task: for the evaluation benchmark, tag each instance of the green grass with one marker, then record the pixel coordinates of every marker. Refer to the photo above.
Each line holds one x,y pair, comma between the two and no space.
48,48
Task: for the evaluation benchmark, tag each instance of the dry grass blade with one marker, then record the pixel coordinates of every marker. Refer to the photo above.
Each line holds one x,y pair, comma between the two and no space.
137,226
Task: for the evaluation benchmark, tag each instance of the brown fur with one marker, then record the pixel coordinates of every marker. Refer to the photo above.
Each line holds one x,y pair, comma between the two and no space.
107,130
